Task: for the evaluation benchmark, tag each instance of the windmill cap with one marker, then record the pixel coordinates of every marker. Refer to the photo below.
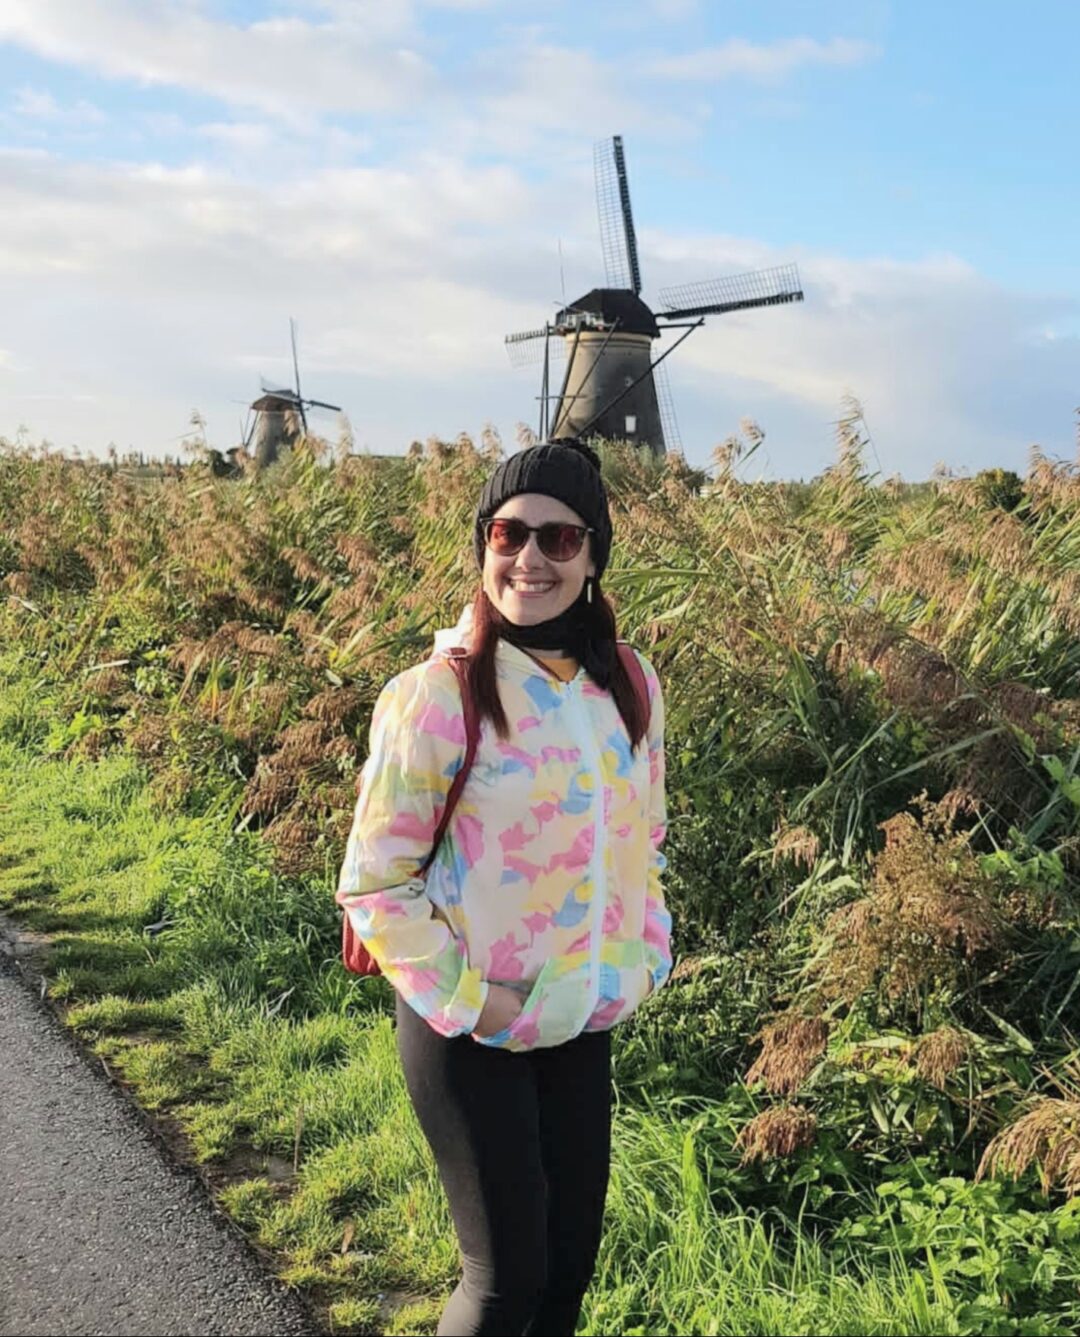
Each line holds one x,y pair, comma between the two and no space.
275,402
567,471
614,306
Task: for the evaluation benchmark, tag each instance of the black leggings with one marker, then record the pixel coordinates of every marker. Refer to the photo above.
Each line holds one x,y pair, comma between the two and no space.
523,1143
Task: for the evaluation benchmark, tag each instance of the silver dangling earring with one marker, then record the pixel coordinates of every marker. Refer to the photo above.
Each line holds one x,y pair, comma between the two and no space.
588,589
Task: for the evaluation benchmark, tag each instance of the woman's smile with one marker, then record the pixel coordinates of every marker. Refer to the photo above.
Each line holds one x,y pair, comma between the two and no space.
530,587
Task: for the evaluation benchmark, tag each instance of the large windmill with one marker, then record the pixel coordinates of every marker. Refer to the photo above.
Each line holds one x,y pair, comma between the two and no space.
612,387
280,416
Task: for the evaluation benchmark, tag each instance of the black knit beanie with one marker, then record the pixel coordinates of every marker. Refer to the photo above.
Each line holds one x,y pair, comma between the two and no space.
568,471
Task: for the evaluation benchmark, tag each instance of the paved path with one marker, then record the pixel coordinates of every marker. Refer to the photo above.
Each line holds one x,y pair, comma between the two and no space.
99,1234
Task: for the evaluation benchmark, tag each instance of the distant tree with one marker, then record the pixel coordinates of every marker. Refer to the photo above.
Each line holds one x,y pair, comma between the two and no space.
999,487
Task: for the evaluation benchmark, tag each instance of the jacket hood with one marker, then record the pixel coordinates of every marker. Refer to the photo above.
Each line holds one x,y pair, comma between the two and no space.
447,637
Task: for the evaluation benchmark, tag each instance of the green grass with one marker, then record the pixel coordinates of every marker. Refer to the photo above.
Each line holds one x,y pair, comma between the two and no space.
267,1056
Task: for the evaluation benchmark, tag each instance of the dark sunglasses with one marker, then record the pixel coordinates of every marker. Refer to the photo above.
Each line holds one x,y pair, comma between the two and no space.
559,543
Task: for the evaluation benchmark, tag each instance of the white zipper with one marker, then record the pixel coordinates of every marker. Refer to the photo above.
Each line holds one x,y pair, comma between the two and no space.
598,863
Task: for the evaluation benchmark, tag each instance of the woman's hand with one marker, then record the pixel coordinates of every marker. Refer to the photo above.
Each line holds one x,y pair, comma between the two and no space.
501,1008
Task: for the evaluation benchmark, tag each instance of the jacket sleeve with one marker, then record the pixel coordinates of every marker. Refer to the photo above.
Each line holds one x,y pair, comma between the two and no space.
657,917
417,744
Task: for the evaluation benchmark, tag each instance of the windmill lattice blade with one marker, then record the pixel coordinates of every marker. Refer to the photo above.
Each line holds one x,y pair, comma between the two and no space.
295,359
736,292
668,421
523,336
617,238
527,348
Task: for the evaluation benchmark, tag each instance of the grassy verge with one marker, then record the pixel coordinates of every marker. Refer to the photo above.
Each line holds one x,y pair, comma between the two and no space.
211,983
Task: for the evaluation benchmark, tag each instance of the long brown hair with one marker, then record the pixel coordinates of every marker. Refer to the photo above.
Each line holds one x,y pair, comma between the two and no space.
483,685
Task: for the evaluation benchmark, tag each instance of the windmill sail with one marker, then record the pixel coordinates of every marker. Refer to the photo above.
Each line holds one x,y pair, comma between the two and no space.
296,373
668,420
526,349
736,292
617,238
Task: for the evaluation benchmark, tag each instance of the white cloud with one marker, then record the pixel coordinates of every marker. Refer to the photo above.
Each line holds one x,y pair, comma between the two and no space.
255,148
285,67
38,104
244,136
763,62
399,13
529,104
675,9
393,262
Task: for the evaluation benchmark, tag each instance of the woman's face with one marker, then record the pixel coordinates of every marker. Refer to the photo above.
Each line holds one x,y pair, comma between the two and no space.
529,587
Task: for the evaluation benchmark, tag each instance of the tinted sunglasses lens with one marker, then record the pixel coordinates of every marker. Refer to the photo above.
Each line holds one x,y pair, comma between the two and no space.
506,537
560,542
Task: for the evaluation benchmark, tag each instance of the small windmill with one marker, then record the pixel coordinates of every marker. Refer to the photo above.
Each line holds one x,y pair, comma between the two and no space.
611,386
280,418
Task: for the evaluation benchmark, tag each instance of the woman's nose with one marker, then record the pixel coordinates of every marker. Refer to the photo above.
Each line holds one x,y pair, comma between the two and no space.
531,552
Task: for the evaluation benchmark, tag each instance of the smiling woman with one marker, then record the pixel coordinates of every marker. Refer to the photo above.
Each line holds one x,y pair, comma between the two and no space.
537,563
539,924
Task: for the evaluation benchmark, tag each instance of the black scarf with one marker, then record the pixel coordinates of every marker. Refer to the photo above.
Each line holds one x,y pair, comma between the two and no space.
576,631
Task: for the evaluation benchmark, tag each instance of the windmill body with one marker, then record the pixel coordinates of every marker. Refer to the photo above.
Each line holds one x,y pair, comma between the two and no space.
276,427
609,388
613,385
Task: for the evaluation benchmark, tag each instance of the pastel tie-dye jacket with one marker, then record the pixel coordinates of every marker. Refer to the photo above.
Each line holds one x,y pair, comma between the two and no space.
548,879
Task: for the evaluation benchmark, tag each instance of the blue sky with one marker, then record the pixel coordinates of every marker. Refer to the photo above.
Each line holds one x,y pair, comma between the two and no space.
178,177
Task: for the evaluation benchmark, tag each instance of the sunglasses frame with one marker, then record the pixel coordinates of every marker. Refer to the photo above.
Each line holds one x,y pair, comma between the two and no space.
583,530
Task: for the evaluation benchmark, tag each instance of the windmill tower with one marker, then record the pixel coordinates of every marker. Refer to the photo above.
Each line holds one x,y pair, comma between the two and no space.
612,386
280,418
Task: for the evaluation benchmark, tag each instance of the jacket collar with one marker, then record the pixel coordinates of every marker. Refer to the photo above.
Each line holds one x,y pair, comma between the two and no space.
508,658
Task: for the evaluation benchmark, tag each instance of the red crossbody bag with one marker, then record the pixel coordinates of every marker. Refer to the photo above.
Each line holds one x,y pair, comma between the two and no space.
354,955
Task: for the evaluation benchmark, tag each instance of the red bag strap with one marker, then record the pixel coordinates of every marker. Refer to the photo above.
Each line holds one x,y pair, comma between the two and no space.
636,673
459,662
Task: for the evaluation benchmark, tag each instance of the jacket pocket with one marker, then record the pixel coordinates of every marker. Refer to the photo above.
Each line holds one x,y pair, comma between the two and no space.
624,983
554,1011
